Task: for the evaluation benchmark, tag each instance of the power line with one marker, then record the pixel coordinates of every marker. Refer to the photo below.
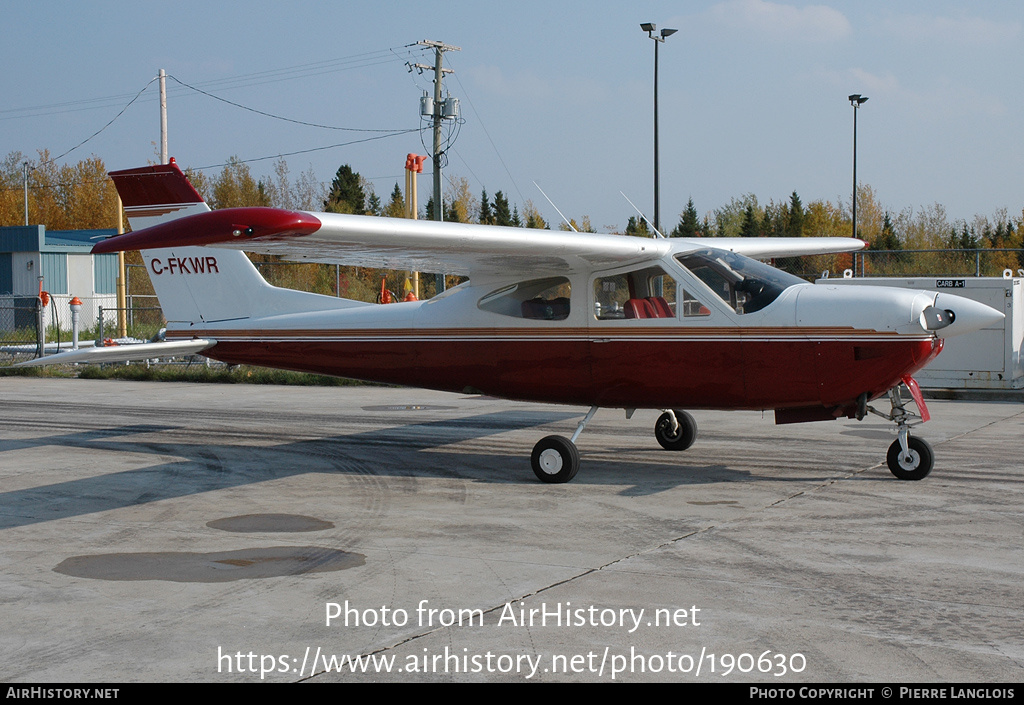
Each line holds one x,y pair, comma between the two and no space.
104,127
489,138
312,149
346,63
279,117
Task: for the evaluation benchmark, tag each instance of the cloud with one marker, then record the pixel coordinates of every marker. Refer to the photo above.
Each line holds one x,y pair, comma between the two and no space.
816,23
868,82
934,100
954,30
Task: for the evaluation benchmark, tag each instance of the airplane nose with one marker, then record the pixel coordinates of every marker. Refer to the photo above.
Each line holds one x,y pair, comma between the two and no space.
962,315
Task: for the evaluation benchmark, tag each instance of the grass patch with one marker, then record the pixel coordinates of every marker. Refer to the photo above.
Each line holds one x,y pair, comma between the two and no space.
56,371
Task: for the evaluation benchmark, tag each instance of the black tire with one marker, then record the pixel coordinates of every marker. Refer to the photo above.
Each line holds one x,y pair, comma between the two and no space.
555,459
918,466
684,436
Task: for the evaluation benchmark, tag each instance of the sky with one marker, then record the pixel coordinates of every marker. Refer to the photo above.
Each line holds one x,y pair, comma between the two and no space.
753,95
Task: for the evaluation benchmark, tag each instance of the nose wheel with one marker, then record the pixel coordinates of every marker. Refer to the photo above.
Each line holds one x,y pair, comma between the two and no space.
909,457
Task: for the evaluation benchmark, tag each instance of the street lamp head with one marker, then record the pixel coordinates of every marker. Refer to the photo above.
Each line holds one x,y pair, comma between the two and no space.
857,99
648,26
670,32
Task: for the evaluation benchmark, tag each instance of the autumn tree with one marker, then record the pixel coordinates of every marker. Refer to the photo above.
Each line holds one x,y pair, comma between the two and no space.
533,217
60,197
235,187
461,205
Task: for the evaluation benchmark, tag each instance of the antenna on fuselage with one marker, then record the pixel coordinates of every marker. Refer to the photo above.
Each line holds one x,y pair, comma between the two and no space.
555,207
656,231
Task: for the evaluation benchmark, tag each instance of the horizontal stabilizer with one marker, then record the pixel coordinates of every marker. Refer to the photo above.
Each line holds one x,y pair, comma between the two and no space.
124,353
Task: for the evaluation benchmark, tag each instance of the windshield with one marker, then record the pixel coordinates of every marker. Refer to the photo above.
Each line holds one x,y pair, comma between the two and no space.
745,284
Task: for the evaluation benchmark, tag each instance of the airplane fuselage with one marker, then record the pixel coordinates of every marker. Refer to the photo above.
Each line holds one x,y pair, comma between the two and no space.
812,347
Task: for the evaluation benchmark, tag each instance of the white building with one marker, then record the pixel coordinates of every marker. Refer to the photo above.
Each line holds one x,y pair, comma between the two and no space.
64,260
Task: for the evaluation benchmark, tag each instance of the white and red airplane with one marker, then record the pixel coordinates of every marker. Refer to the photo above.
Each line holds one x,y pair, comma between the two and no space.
546,316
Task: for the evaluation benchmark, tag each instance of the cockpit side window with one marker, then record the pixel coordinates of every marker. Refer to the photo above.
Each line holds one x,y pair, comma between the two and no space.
539,299
643,293
745,284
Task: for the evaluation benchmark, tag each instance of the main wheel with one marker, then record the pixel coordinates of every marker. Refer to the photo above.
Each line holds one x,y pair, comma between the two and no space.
555,459
684,436
917,465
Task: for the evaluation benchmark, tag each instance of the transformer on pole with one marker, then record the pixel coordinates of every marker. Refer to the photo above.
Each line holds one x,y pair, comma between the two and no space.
439,110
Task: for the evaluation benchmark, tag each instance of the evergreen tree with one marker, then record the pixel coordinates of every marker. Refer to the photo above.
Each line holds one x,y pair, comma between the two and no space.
516,220
346,194
887,239
486,217
637,228
796,216
502,216
688,223
396,206
373,205
751,227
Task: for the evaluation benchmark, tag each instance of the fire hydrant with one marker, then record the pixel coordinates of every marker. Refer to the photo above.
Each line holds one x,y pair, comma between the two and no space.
76,308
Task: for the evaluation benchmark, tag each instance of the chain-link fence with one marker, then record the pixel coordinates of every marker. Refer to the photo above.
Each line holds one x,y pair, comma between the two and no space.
939,263
19,330
909,263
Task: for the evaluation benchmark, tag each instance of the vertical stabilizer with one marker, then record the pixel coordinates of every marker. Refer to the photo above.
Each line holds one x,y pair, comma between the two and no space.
199,285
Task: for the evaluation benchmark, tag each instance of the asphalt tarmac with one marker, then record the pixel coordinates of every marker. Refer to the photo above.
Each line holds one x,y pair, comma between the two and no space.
162,532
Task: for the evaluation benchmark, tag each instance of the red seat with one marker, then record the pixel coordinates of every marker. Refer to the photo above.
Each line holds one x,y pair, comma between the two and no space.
640,308
661,307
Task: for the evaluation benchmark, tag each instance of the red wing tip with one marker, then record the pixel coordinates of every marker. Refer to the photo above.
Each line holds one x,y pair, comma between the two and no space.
228,225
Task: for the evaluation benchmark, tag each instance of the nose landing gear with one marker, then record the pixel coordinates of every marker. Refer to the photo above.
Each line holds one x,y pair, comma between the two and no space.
909,457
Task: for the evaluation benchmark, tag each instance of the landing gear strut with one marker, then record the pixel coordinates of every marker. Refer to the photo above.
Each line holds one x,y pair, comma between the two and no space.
909,457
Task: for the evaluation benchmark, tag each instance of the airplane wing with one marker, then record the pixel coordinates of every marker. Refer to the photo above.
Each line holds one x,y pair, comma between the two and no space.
391,243
124,353
397,243
425,245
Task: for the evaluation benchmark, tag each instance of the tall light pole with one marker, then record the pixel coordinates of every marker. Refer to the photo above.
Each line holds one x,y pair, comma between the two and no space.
659,38
856,100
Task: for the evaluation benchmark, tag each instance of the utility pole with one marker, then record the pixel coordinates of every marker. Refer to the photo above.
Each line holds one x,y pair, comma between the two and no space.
24,168
163,117
438,112
122,293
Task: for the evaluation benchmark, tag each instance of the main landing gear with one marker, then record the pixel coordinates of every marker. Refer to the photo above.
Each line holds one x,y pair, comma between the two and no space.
556,459
675,430
909,457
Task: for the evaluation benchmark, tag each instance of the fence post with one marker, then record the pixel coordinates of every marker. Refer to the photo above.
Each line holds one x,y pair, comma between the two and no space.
977,263
99,327
40,329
